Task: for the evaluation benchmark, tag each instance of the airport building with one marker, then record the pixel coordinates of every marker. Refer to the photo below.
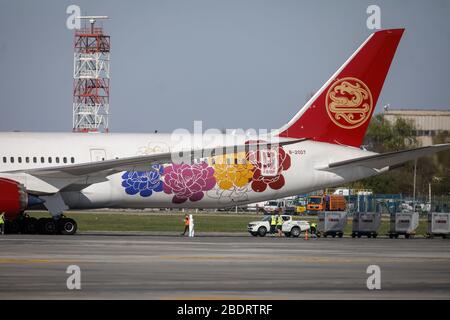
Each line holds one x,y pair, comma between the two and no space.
428,123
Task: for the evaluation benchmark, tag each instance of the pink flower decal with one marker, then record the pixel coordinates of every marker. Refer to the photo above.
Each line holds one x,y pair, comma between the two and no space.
275,180
188,181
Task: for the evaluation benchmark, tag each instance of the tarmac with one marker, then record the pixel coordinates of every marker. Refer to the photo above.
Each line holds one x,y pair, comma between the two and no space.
221,266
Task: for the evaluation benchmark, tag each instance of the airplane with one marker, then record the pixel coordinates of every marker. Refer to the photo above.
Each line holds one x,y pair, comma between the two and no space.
319,147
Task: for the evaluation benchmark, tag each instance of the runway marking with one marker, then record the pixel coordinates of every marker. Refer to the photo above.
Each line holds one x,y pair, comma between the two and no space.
306,259
33,261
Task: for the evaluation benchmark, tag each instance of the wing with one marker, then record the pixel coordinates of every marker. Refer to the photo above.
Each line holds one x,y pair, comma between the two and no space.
388,159
50,180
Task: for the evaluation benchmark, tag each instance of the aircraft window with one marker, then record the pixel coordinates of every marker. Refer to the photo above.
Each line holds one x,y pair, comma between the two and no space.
12,159
42,159
72,160
57,159
4,159
34,159
49,159
65,159
27,159
19,159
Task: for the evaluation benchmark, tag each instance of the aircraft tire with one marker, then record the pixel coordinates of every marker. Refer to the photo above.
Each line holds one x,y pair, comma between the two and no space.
47,226
67,226
12,227
30,226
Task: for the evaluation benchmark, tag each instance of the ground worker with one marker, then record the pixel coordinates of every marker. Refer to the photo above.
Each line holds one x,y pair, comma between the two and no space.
2,223
186,224
273,224
313,228
279,224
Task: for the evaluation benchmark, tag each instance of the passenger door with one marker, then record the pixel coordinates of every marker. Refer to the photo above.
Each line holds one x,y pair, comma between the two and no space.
98,155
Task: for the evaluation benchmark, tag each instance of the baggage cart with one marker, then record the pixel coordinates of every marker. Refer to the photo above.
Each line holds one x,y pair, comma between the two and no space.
438,224
331,223
403,223
366,224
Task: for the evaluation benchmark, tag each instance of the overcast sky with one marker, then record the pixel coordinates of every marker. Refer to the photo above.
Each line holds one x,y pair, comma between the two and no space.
231,63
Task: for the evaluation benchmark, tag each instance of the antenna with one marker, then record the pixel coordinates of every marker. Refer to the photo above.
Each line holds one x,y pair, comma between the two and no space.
92,20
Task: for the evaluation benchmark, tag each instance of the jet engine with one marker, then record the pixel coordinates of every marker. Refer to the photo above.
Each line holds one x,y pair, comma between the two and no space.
13,198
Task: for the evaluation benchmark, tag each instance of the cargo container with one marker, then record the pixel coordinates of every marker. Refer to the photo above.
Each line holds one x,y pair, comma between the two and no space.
438,224
331,223
403,223
366,224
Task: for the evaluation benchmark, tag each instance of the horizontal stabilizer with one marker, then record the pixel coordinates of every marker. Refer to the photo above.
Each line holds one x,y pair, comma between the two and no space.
389,159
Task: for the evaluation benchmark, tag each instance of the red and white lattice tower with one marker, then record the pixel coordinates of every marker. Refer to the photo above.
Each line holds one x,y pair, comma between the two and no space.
91,77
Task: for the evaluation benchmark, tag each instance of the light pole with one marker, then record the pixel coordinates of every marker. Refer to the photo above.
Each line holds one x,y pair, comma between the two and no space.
414,188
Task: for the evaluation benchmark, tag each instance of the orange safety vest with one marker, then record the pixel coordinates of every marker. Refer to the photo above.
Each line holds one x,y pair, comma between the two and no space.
186,221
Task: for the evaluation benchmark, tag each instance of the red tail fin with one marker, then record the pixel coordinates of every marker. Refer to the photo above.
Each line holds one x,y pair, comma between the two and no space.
341,110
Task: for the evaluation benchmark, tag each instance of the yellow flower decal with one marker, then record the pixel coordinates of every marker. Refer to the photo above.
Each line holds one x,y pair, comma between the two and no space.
232,171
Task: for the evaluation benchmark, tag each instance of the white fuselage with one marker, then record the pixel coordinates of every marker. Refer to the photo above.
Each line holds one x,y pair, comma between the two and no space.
22,151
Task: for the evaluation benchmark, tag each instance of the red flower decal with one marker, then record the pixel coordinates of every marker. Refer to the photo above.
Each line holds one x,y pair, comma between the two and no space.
268,166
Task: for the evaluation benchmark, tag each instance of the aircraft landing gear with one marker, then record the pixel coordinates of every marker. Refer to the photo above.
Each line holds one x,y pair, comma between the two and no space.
29,225
25,224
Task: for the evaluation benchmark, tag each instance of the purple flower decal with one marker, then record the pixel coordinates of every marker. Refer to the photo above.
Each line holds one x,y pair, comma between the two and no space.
143,182
188,181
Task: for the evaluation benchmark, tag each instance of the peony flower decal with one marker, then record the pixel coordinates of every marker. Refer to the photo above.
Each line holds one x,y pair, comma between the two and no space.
255,170
188,181
233,175
143,182
275,181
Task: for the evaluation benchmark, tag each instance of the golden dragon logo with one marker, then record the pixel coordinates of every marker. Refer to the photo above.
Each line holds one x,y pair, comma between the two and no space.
349,103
